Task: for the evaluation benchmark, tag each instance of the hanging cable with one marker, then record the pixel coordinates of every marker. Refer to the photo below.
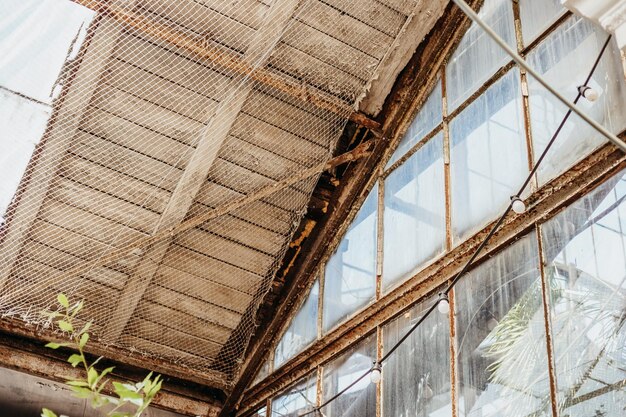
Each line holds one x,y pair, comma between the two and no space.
443,296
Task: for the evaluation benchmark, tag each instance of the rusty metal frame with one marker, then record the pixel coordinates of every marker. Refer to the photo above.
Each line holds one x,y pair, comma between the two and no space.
545,202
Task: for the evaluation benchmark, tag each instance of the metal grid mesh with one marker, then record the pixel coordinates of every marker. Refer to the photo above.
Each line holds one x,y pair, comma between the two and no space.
168,110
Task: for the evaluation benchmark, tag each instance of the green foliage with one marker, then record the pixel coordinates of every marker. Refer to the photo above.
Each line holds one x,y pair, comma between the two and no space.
136,396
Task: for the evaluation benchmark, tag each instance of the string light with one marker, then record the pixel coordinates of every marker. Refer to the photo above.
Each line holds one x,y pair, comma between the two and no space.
588,93
376,373
443,303
518,204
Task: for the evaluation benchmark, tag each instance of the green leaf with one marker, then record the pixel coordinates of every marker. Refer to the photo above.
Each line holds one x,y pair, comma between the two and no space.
62,299
80,392
86,328
103,374
84,338
47,413
75,359
77,307
77,383
54,345
65,326
126,392
92,376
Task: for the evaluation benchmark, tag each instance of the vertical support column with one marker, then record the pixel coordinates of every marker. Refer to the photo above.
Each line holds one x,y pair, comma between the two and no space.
545,295
379,386
380,230
448,197
525,99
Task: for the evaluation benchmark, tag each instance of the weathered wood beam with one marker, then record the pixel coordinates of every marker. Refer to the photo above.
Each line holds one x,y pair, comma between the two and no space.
230,62
546,202
208,378
409,93
31,358
59,136
124,249
201,162
421,20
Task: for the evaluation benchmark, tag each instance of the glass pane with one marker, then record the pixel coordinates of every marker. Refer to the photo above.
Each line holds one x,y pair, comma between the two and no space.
429,116
417,376
537,16
360,400
586,269
263,372
565,59
302,330
414,217
22,123
488,156
260,413
33,32
297,400
477,57
502,356
350,279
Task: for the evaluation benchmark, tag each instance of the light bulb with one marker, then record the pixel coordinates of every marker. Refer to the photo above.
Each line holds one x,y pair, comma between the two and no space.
376,373
588,93
518,204
444,304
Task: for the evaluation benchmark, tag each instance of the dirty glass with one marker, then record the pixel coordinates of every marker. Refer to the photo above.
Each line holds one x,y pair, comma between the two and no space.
537,16
585,251
263,372
359,400
488,156
502,355
260,413
416,378
478,57
414,216
302,330
297,400
429,116
564,59
350,277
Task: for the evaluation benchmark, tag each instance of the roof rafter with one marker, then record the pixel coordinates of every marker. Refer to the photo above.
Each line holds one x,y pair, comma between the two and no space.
230,62
202,160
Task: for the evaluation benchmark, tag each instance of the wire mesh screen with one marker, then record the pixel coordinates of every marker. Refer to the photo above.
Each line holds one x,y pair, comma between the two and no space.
157,115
